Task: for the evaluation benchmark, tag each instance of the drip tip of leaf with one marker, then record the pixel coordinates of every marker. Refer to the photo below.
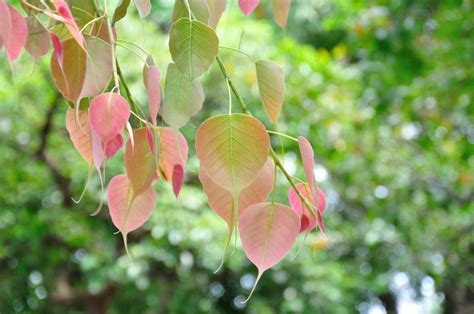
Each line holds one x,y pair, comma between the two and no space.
254,286
89,174
124,236
301,245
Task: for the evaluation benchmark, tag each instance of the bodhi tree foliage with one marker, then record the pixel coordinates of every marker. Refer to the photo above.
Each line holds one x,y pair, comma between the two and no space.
238,166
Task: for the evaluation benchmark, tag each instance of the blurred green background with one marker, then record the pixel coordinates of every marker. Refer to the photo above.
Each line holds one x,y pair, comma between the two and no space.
383,89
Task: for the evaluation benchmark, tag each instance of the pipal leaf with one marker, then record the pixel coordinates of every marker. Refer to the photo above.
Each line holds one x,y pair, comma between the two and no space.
108,115
198,7
68,19
57,53
16,40
280,10
151,79
271,86
216,8
114,145
247,6
268,231
120,11
37,44
232,149
177,178
127,210
307,157
193,46
173,150
5,24
143,7
140,161
79,134
308,221
183,98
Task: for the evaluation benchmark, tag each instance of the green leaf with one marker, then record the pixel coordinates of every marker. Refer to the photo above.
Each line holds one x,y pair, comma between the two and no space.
199,9
120,11
183,98
271,86
193,47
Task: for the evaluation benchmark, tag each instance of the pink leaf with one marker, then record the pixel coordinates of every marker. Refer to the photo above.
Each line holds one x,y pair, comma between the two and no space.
177,179
5,24
247,6
280,10
37,44
143,7
128,211
57,49
79,134
308,221
108,115
307,156
114,145
268,231
18,34
65,13
151,79
173,150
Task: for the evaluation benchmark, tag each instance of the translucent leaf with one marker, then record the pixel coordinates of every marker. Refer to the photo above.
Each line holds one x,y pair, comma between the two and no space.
199,9
139,161
79,134
308,221
5,24
173,150
108,115
280,10
15,40
268,231
151,79
271,86
247,6
37,44
183,98
216,8
177,179
143,7
193,47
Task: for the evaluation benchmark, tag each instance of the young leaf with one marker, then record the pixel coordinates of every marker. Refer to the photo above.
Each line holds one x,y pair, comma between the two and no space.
139,161
183,98
143,7
177,179
247,6
79,134
280,10
37,44
307,156
108,115
151,79
16,40
173,150
268,231
120,11
114,145
232,149
5,24
193,47
127,210
216,8
57,52
271,86
68,19
198,7
308,221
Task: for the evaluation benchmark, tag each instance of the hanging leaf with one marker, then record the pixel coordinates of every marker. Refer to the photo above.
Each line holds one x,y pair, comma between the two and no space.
151,79
15,34
5,24
114,145
68,19
232,149
139,161
79,134
193,47
177,179
247,6
37,44
271,86
143,7
183,98
57,53
127,210
216,8
173,150
199,9
220,200
108,115
120,11
307,156
308,221
280,10
268,231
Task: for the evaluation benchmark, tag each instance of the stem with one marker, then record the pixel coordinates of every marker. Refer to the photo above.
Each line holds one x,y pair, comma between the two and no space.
282,134
112,46
240,51
133,104
275,158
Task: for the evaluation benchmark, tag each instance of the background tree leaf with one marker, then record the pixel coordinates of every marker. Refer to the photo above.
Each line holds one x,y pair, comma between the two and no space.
120,11
247,6
280,9
38,43
216,8
271,86
143,7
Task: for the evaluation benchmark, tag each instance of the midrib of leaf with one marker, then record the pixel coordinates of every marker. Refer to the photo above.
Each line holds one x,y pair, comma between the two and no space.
235,193
128,203
190,49
267,232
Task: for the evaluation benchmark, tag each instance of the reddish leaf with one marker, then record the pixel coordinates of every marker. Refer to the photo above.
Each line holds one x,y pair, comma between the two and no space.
108,115
177,179
67,18
114,145
308,221
171,153
280,10
268,231
247,6
15,41
143,7
37,44
151,79
57,49
127,210
5,24
140,161
79,134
